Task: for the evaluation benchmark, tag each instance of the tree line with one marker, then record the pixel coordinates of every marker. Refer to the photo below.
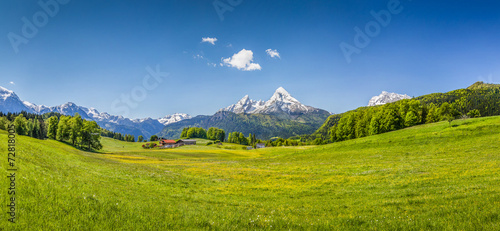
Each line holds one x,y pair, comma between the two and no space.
479,99
74,130
118,136
213,133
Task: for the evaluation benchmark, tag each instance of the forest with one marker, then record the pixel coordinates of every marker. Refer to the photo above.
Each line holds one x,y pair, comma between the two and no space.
478,100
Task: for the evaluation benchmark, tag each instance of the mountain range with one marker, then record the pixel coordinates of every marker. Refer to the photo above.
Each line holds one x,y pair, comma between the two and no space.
282,115
10,102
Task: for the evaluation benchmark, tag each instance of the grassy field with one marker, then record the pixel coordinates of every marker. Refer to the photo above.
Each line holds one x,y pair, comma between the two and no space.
430,177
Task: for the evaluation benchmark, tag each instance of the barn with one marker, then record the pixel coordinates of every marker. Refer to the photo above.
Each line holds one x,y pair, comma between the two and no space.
188,142
165,142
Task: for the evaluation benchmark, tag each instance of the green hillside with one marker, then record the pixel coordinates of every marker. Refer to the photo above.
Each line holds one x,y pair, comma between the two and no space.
481,98
427,177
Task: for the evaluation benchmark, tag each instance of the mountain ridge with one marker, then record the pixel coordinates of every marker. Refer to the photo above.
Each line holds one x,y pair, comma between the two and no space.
10,102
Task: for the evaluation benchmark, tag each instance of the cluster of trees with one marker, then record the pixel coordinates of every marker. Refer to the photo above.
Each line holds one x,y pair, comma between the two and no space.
72,129
479,99
197,132
33,127
393,116
153,138
193,132
75,130
117,136
389,117
27,124
216,134
239,138
480,96
283,142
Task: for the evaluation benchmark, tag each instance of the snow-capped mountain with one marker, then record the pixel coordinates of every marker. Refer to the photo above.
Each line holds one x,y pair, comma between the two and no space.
386,97
174,118
245,105
282,115
280,102
10,102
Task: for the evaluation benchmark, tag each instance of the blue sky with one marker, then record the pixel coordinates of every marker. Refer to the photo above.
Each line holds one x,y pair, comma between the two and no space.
93,52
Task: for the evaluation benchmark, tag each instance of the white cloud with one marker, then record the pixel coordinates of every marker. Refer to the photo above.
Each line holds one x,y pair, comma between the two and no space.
242,60
12,83
209,40
198,56
273,53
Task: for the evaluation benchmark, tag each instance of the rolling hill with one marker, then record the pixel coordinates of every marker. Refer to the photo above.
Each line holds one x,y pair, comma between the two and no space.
479,96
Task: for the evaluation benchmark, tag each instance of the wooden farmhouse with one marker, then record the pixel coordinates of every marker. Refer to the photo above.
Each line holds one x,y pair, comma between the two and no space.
174,144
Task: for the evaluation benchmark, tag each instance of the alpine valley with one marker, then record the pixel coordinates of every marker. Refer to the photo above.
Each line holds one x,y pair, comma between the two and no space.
281,116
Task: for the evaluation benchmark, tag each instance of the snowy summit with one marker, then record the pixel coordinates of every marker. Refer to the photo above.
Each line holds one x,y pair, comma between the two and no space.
281,101
386,97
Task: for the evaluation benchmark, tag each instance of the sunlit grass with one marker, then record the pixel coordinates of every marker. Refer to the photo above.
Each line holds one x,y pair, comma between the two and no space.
430,177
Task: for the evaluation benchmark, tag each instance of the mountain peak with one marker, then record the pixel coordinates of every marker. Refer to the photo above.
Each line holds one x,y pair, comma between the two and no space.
281,101
281,95
386,97
68,104
282,91
5,93
3,89
244,99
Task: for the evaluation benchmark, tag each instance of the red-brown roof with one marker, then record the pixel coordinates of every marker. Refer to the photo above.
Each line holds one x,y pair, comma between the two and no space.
164,141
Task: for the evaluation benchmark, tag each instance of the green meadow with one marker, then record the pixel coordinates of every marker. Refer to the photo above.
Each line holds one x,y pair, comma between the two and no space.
428,177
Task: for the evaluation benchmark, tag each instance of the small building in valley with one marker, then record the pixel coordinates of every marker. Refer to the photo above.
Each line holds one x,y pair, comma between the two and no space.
187,142
260,145
174,144
165,142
